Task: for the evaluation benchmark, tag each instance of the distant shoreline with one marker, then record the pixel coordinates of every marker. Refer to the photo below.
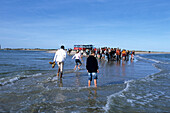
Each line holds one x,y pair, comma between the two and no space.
152,52
73,52
28,49
136,52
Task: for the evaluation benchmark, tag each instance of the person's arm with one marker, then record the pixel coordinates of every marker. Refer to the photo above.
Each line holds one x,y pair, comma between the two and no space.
87,64
73,57
55,56
80,57
97,71
97,66
65,54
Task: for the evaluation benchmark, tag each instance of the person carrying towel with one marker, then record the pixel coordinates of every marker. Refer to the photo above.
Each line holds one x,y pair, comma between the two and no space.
60,57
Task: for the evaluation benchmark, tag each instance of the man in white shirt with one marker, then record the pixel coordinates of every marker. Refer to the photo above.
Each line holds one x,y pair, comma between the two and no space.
60,57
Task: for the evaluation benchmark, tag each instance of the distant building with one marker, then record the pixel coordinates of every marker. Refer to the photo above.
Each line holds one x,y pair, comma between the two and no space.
83,47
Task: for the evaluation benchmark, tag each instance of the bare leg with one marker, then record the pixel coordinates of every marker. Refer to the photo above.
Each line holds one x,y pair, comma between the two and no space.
75,67
79,66
58,71
89,83
95,82
61,83
61,74
61,69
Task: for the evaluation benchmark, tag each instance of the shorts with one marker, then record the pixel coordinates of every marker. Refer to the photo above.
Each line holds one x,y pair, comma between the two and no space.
78,61
94,74
103,55
60,65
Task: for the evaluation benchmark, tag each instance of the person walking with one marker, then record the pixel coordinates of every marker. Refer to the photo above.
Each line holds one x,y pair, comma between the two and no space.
92,68
132,55
77,57
118,54
127,55
124,54
60,57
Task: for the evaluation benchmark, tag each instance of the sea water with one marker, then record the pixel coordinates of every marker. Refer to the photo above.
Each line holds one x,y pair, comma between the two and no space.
28,83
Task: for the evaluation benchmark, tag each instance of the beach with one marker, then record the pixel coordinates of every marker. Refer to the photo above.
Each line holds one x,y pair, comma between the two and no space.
29,84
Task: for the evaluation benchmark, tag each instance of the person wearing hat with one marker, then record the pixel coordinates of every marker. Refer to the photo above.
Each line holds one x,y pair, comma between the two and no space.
78,59
60,57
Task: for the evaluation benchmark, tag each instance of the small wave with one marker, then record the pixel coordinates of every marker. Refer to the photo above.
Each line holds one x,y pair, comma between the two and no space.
132,83
120,93
153,60
156,67
38,74
156,61
130,93
74,88
9,80
43,58
155,76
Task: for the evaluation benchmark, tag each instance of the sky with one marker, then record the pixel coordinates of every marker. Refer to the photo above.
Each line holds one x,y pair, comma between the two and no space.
48,24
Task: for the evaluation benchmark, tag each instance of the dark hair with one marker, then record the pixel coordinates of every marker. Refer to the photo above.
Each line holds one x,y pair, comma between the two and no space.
62,47
92,52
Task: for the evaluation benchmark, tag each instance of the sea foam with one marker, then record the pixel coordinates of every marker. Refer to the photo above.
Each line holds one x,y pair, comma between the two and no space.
10,80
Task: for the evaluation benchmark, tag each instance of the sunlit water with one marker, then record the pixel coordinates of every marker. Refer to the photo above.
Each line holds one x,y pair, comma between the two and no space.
29,84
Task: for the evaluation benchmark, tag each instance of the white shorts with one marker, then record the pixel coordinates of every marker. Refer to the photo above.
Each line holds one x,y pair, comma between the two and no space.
60,65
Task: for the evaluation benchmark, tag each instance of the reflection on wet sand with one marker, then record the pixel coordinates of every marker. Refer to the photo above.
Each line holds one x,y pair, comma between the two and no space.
60,82
123,68
92,95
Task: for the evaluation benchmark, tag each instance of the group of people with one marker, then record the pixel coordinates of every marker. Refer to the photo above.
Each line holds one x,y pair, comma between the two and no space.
91,64
92,67
114,54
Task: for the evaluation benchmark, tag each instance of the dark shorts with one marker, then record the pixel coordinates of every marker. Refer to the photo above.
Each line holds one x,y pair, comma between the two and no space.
94,74
78,61
123,55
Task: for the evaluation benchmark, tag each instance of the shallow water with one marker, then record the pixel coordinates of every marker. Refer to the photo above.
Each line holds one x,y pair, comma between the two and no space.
29,84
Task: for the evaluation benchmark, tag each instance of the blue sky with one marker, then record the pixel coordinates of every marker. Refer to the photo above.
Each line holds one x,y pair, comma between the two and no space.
129,24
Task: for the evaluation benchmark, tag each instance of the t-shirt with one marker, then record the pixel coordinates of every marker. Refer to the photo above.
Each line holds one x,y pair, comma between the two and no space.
91,64
60,55
77,56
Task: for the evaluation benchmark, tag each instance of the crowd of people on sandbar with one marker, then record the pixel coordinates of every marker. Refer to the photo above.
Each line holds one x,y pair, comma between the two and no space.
92,67
109,54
